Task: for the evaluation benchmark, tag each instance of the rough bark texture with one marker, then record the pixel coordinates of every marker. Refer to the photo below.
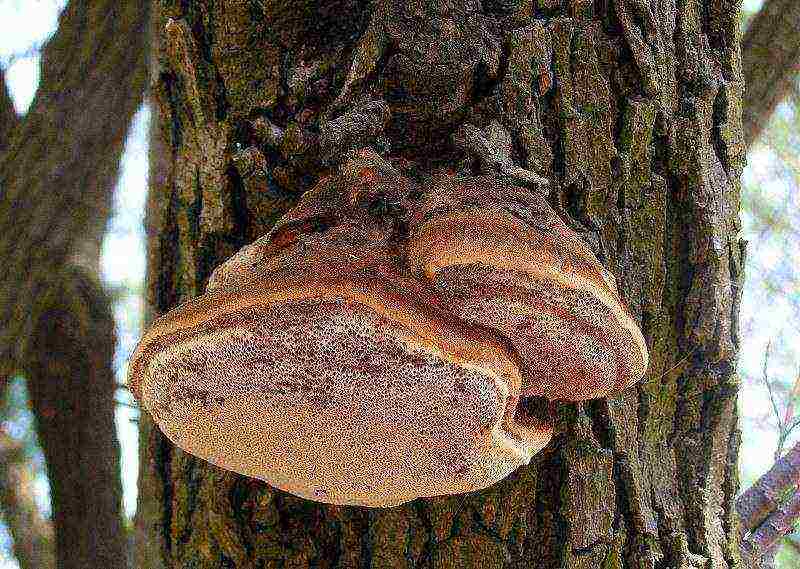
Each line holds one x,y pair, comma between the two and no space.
633,110
71,382
770,61
59,171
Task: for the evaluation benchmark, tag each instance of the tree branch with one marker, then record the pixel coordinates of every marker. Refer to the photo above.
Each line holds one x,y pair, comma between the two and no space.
31,534
71,385
762,498
770,61
59,171
9,121
8,115
777,525
765,378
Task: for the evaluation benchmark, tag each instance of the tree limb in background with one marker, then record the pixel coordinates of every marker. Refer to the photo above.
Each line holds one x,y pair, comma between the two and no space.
765,511
71,384
8,116
57,177
32,534
58,174
9,121
770,61
779,523
763,497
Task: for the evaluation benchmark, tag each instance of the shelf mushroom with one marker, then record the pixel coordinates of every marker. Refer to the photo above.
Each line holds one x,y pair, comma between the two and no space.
500,257
318,362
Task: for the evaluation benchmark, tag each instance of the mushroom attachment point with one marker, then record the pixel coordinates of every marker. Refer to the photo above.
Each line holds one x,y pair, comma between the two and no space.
319,362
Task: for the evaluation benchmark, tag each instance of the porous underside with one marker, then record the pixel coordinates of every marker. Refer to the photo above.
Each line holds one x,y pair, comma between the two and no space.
330,401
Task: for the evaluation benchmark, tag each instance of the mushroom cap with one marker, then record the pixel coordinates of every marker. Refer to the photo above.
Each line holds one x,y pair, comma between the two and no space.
348,363
338,205
334,376
500,257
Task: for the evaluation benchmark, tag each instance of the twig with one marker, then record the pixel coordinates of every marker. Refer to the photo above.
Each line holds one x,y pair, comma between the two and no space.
794,394
768,383
126,404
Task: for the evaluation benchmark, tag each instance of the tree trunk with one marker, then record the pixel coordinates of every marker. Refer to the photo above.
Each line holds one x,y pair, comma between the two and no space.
71,382
58,169
60,166
69,354
632,111
8,116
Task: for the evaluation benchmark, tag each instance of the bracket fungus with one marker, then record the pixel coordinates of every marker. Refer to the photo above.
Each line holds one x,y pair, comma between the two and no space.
502,258
385,340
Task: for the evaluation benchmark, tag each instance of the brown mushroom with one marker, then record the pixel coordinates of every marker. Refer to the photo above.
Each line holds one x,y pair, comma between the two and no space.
317,363
500,257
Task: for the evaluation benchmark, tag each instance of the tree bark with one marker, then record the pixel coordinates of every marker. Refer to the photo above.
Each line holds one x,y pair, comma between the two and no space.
8,116
633,111
771,62
764,541
766,494
31,534
769,509
9,122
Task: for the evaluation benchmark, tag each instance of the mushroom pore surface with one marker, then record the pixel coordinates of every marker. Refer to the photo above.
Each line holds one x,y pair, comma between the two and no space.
331,401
